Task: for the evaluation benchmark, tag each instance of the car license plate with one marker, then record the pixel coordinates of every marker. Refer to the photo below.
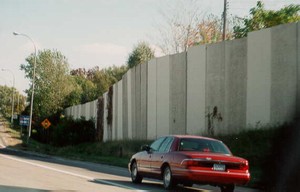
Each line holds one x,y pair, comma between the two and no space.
219,167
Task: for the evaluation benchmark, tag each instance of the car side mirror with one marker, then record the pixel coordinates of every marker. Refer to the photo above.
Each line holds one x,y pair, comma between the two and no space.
145,148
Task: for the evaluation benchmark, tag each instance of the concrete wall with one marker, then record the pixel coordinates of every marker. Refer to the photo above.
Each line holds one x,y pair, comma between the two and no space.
152,100
215,88
196,76
163,96
298,74
115,112
132,106
283,73
144,87
119,134
129,96
138,107
212,89
178,79
258,78
106,131
235,85
125,106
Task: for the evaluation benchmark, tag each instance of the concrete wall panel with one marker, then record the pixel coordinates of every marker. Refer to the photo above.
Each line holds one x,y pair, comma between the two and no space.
196,75
144,87
215,88
133,96
163,96
115,112
298,75
151,100
235,85
129,100
138,116
119,135
105,113
284,73
125,105
259,78
178,93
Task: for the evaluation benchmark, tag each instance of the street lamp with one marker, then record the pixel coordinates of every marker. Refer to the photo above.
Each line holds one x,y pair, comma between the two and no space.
33,82
13,96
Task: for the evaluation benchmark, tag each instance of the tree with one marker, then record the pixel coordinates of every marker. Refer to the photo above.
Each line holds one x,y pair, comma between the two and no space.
186,27
92,83
106,77
178,27
261,18
140,54
6,101
209,30
52,82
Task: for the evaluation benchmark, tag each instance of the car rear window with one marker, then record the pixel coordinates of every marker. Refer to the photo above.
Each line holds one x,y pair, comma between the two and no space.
203,145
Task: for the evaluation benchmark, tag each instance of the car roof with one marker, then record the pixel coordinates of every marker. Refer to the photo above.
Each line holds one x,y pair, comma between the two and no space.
193,137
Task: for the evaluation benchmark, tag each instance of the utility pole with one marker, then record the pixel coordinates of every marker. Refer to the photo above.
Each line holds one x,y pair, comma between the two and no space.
224,19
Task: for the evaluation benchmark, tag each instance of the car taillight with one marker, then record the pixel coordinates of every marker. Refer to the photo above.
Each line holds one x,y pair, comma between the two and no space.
191,163
244,166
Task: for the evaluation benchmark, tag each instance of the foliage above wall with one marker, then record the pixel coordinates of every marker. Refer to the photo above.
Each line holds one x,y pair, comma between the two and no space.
261,18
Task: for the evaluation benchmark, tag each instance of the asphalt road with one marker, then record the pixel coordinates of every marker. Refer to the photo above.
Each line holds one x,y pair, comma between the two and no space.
30,172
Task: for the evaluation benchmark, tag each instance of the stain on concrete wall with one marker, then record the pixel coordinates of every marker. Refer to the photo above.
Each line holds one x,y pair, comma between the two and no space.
215,88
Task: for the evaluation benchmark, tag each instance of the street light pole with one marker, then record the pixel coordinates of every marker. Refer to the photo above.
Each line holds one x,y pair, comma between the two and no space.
33,82
13,96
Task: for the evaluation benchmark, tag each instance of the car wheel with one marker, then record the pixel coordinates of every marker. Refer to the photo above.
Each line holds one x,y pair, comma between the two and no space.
227,188
135,176
168,178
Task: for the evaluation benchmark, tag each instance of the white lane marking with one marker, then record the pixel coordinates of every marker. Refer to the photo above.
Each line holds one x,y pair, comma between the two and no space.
69,173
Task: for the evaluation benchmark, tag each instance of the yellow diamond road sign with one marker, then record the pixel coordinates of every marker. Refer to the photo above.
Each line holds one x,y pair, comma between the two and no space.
46,123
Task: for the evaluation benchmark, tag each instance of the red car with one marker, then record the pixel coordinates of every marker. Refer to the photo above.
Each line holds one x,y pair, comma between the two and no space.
186,159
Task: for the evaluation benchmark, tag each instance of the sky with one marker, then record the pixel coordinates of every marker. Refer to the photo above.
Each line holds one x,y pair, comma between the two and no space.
92,32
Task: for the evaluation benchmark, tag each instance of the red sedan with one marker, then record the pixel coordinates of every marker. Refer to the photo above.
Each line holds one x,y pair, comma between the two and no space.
186,160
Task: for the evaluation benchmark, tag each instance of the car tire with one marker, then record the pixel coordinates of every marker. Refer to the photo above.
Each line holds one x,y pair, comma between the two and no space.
135,176
227,188
168,180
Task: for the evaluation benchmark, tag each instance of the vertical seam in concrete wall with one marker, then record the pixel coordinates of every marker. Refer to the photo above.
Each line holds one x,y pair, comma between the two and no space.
146,109
205,105
186,90
224,84
156,100
298,72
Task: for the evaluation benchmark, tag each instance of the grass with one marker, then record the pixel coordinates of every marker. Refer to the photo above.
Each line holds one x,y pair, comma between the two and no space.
115,153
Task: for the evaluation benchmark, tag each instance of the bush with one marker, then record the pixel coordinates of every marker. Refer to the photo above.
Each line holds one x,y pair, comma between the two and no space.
73,132
65,132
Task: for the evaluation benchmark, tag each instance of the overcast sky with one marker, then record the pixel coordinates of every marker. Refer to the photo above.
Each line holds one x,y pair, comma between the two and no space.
91,32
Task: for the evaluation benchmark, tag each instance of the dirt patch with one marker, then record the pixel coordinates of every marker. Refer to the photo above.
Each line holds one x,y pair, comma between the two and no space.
9,137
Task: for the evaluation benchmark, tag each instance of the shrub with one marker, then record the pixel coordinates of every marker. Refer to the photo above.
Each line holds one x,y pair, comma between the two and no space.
73,132
66,131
